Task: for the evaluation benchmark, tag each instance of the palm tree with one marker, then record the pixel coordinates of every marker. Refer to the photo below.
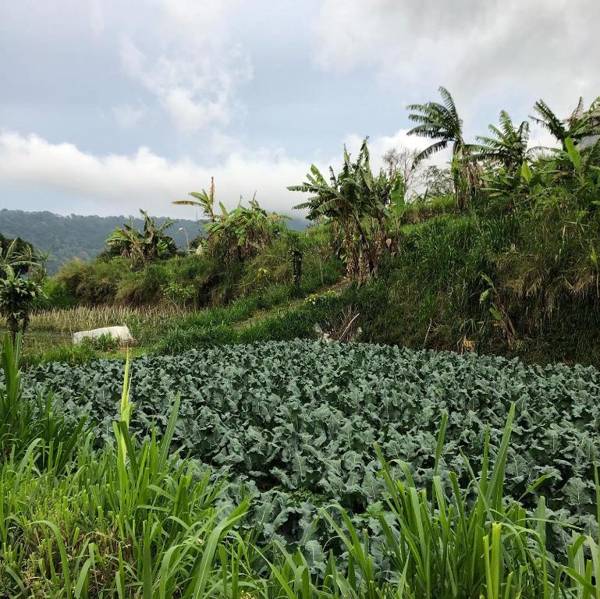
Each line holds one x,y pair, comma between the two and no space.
507,144
441,122
203,200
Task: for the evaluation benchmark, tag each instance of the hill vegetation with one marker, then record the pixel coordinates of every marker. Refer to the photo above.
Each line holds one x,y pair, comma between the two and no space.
64,238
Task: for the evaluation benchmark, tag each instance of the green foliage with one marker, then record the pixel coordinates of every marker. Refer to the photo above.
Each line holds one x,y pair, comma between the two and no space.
141,247
218,326
115,282
17,298
21,257
516,273
65,354
440,121
507,145
64,238
273,267
580,124
531,237
102,343
25,424
178,294
242,232
358,203
436,201
194,280
234,236
55,295
437,182
91,283
295,323
203,200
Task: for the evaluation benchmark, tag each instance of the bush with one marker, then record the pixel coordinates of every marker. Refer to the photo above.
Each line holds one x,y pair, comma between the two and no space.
193,280
56,295
116,281
93,283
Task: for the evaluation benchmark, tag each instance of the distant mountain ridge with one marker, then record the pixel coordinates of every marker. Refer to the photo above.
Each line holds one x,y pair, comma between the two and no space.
78,236
84,236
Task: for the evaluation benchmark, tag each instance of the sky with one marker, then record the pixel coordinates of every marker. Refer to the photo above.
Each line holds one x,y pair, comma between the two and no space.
108,106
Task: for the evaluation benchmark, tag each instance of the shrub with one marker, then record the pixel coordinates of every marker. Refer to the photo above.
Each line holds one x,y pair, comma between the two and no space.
18,296
56,295
93,283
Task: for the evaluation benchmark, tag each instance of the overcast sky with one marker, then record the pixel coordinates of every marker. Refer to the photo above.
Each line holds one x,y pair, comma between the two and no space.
107,106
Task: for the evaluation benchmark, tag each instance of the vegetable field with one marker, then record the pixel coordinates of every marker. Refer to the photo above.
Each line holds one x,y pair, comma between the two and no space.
296,422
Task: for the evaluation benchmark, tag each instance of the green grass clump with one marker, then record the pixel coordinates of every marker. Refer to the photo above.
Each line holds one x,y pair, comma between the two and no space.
67,354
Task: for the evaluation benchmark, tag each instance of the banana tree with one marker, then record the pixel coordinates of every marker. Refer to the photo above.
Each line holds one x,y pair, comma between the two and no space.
507,144
203,200
581,124
143,246
240,233
356,201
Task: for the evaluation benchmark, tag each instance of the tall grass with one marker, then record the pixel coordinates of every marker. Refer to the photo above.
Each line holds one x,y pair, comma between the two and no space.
70,320
135,520
28,424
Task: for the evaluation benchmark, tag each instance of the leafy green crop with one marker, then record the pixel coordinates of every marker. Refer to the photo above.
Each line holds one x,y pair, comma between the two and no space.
296,422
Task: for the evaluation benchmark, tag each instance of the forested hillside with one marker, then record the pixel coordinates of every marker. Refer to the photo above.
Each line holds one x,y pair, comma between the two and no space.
77,236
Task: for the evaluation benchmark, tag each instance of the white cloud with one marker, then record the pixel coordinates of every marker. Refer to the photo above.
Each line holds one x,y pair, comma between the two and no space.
118,183
123,183
191,65
97,22
504,50
128,116
189,114
197,19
